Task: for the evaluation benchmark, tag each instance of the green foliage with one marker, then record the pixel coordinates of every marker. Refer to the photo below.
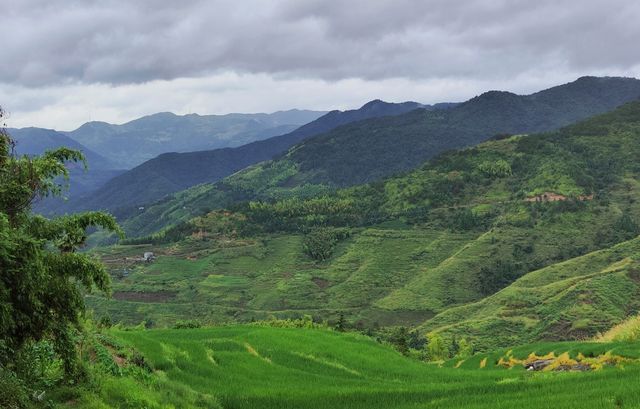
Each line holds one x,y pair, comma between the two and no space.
319,243
497,169
499,275
627,225
38,365
42,274
13,393
465,349
306,321
311,368
400,340
341,324
437,348
104,359
187,324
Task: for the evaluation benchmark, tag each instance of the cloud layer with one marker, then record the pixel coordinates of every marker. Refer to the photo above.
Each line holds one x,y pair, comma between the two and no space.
124,46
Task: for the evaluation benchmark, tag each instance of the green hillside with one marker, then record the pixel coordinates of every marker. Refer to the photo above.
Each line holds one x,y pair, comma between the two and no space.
427,248
370,150
261,367
574,299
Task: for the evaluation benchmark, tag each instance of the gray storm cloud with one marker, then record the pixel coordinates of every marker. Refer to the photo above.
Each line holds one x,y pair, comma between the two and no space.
129,42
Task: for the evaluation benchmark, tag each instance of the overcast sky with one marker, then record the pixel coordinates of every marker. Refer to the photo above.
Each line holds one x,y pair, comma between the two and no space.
67,62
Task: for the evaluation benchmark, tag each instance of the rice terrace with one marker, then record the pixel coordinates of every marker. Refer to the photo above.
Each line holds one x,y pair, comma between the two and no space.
320,204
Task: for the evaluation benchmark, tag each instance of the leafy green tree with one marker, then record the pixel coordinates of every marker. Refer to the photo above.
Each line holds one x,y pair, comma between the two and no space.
497,169
319,243
341,325
416,340
400,339
42,277
627,225
437,348
465,349
454,347
499,275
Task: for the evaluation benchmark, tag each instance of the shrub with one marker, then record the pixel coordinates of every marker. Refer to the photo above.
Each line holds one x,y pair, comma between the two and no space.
306,321
498,169
499,275
187,324
465,349
37,364
13,393
400,340
319,243
437,348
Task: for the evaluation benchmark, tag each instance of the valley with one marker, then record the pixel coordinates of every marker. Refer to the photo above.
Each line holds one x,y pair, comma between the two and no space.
457,247
358,261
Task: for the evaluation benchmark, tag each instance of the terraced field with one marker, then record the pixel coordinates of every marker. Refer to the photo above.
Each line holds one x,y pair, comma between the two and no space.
391,275
263,367
573,299
259,277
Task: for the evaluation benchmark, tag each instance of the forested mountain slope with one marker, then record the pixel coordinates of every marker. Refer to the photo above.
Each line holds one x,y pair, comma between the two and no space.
369,150
171,172
366,152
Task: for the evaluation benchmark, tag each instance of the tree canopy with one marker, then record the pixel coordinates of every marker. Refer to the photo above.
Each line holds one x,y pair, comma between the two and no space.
42,276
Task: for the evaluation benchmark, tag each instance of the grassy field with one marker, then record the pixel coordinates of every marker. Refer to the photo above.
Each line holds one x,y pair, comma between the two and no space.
264,367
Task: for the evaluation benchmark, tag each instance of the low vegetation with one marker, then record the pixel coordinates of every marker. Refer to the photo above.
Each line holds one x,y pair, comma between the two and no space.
266,367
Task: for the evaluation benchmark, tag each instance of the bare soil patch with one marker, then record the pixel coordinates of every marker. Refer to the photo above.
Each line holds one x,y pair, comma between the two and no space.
320,282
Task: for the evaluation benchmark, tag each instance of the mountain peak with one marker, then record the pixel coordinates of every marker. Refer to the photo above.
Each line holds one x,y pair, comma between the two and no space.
492,97
374,103
378,104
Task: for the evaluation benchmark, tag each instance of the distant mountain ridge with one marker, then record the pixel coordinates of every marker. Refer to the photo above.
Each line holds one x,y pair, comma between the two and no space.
372,149
35,141
171,172
134,142
365,152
